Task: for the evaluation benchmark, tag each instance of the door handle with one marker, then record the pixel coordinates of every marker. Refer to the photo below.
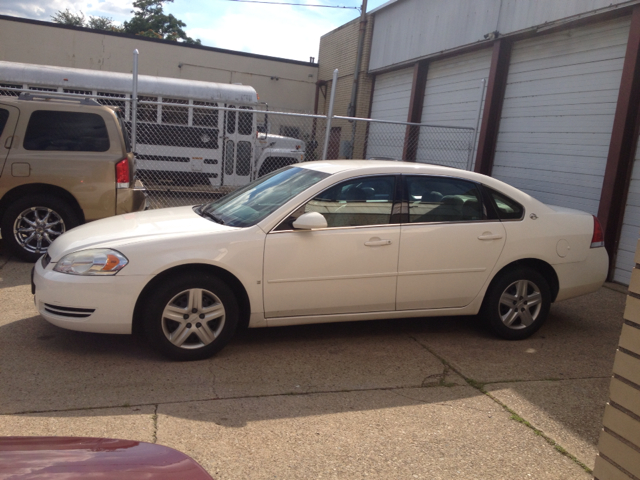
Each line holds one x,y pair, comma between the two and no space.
490,236
377,242
8,142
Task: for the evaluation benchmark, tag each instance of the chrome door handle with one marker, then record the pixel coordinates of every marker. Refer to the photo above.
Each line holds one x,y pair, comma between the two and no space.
377,242
490,236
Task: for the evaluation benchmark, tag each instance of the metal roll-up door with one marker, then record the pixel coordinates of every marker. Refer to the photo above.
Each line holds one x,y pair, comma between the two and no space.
453,97
630,228
558,112
391,97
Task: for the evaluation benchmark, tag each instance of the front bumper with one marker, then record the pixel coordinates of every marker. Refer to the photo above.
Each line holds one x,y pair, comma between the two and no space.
87,304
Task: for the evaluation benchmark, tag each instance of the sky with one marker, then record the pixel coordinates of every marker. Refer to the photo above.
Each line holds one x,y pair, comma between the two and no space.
277,30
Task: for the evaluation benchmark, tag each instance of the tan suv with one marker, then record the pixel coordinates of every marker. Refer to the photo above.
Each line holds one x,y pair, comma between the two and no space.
63,162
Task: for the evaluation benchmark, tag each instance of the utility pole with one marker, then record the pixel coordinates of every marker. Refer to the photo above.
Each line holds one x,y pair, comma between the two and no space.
354,89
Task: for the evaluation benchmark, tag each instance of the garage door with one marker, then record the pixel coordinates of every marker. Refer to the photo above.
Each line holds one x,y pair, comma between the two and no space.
630,228
391,96
558,113
453,98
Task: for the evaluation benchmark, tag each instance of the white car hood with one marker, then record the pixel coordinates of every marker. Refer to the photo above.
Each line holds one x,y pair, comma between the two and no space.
133,227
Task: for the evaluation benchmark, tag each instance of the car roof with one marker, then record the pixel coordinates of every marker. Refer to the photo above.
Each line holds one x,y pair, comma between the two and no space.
372,167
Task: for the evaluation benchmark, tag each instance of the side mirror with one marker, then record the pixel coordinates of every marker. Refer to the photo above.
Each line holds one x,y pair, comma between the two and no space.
310,221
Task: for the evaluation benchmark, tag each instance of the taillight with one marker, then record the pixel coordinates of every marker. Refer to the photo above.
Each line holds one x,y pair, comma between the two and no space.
598,237
122,173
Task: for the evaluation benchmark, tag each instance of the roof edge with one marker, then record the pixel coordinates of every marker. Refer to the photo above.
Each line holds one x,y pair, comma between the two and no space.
155,40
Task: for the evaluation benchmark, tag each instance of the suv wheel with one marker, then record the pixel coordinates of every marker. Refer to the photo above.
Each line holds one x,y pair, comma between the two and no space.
32,223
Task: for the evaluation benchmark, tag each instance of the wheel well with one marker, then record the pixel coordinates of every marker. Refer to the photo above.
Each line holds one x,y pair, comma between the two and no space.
230,279
40,188
540,266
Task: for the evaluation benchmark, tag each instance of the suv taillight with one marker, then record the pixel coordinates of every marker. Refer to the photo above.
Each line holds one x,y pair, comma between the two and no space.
122,173
598,237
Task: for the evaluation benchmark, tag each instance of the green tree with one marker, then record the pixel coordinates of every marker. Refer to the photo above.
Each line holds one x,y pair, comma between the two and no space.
150,20
104,23
69,18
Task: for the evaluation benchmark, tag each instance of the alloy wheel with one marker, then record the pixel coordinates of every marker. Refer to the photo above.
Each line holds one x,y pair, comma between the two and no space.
520,304
36,228
193,318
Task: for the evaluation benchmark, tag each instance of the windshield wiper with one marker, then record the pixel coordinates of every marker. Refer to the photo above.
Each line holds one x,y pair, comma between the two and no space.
212,216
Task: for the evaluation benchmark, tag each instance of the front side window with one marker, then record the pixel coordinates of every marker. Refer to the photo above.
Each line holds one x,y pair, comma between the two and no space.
357,202
253,203
443,199
66,131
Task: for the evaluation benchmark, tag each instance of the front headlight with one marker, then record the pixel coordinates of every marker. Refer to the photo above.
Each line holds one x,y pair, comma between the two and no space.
100,261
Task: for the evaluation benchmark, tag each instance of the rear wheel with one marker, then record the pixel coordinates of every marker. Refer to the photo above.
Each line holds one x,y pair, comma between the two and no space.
517,304
190,317
32,223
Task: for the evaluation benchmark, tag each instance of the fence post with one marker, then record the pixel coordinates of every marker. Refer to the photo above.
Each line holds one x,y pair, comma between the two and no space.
134,100
330,114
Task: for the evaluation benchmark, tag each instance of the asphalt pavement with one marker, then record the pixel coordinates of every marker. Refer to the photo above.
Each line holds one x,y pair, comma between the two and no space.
432,398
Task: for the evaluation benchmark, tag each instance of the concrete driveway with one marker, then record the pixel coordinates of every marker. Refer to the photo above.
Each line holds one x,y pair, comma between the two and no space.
435,398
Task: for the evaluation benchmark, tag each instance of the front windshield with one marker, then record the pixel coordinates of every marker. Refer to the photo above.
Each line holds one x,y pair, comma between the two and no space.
251,204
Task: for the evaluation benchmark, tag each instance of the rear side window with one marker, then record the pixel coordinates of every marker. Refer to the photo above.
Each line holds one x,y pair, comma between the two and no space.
507,208
66,131
4,116
443,199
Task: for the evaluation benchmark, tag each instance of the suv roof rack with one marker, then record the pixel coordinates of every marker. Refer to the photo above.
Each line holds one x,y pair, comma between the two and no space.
46,96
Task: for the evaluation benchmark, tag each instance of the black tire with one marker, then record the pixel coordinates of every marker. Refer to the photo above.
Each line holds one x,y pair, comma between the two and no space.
191,337
27,241
517,303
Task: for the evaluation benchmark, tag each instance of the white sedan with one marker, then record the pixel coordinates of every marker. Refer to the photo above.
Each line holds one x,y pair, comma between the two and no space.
323,242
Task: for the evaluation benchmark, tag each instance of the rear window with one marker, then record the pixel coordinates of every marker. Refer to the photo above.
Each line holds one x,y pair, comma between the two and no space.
507,208
66,131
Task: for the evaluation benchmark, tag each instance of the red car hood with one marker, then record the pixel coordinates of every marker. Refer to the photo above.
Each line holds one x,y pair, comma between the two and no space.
72,458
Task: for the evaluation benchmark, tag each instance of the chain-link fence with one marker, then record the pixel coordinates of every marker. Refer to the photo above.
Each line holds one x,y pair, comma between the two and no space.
190,152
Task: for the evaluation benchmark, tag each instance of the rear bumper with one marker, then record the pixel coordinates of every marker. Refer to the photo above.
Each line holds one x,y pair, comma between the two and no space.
580,278
131,199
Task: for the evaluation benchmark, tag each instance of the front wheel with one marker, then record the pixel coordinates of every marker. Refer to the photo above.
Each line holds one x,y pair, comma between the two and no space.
191,317
517,304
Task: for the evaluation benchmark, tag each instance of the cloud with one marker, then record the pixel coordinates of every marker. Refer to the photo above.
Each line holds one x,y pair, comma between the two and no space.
119,10
275,30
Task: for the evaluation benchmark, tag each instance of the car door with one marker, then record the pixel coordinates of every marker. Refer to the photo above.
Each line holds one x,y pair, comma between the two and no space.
449,245
348,267
8,119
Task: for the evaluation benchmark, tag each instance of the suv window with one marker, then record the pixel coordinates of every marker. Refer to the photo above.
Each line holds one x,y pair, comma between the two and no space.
66,131
443,199
353,203
4,116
